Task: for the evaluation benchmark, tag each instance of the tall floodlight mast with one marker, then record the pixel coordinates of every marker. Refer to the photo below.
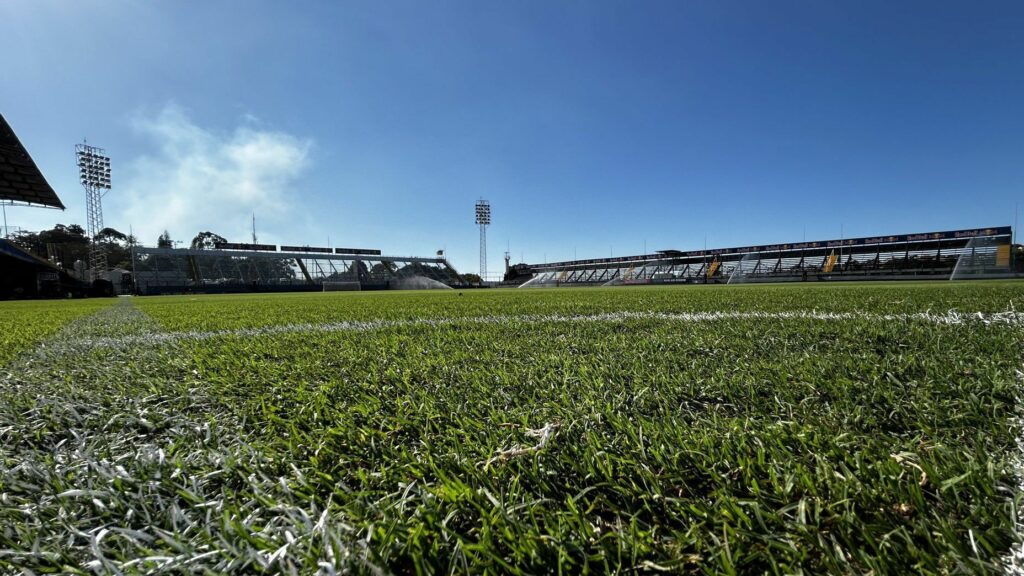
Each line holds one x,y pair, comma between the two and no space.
94,174
483,220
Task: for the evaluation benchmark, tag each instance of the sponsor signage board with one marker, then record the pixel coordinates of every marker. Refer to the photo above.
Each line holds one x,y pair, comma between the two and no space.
240,246
357,251
316,249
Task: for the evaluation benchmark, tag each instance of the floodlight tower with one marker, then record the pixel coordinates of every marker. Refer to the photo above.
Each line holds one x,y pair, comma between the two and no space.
483,219
94,174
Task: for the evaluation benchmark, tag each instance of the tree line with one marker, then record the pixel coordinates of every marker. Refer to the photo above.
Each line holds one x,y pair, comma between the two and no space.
63,245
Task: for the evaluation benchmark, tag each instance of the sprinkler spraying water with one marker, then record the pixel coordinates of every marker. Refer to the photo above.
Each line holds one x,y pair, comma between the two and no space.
747,265
977,257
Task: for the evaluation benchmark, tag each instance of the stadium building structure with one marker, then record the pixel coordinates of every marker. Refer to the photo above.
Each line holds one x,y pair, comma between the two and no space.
960,254
233,267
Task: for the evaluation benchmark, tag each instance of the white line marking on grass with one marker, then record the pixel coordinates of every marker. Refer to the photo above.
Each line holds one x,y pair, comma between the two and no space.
156,338
1013,561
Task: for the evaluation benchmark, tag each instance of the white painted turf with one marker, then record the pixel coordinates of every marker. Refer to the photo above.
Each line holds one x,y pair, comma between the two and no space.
144,338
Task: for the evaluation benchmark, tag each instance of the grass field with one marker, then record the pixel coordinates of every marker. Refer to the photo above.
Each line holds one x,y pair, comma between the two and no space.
24,324
780,429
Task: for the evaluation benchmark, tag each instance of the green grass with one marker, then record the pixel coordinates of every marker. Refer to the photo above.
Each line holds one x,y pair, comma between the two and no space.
252,310
522,444
24,323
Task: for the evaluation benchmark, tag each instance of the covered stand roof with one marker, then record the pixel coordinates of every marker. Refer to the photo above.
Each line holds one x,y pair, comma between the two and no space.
20,179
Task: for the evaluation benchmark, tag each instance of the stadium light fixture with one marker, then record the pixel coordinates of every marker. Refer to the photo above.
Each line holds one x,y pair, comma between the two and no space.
94,175
483,213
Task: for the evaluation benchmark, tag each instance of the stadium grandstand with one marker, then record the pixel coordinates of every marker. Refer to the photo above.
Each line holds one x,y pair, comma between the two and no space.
234,267
959,254
23,275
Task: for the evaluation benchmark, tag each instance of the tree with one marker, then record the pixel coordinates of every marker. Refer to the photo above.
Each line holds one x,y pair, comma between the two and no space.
108,234
73,229
207,241
118,247
164,241
472,278
62,245
382,271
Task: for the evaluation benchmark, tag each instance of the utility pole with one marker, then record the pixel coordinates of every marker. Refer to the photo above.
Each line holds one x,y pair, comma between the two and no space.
842,239
135,281
1013,238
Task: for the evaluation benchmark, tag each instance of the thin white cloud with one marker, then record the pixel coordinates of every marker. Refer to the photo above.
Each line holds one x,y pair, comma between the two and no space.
200,180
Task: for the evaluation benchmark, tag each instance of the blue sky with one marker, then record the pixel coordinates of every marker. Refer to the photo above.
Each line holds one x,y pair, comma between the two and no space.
592,127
